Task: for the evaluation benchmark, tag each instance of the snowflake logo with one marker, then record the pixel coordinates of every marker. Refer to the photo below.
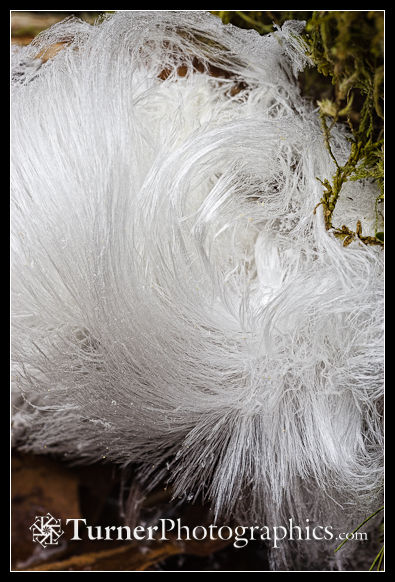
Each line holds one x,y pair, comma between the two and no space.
46,530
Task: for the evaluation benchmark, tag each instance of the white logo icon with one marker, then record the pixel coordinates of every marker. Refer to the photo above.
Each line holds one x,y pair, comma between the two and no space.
46,530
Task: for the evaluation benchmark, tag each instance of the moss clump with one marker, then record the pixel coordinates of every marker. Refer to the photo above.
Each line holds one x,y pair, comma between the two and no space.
348,48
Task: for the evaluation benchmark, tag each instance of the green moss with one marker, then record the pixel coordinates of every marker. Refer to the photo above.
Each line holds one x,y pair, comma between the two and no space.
348,47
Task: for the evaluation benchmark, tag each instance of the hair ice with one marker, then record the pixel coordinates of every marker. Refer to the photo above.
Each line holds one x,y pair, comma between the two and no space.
176,303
